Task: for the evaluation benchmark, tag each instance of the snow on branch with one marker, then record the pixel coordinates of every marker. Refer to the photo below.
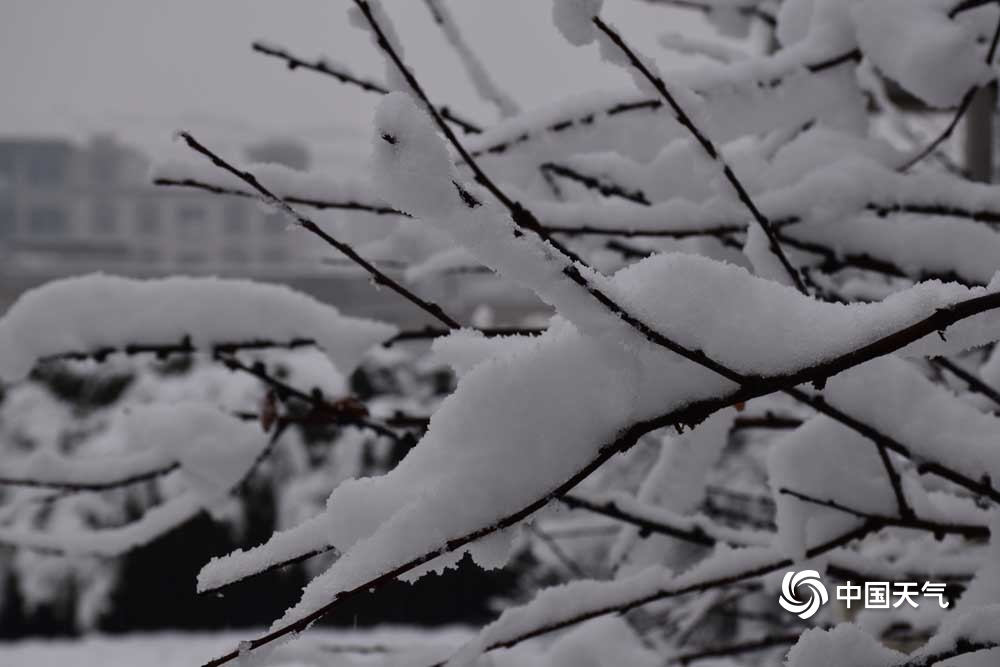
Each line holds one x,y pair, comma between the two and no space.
709,147
851,431
399,542
96,313
479,75
210,451
378,275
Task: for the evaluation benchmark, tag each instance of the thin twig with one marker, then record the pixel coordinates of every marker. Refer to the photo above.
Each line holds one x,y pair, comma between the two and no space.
587,119
969,531
750,9
77,487
974,383
692,412
430,333
709,147
477,73
321,66
964,104
521,216
185,346
602,185
322,411
311,202
378,276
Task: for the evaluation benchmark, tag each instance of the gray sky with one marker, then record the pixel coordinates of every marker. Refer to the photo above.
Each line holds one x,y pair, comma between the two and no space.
143,68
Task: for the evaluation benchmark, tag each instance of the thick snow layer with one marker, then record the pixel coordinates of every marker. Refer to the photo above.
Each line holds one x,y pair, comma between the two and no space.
676,484
916,244
110,541
322,647
465,349
582,598
765,262
843,646
827,461
892,396
574,19
46,467
686,44
984,588
603,642
547,406
848,646
410,157
794,17
830,197
817,26
706,307
92,312
283,545
738,101
213,451
914,43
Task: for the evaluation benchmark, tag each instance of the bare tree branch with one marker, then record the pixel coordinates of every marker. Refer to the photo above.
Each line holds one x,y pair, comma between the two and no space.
478,74
320,204
322,66
379,277
692,412
965,103
970,531
708,146
521,216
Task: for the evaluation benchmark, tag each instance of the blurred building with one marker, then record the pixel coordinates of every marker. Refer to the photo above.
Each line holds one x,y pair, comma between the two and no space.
68,209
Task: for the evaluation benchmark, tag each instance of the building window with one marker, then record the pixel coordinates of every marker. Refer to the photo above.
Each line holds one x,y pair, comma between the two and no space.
235,256
105,217
7,168
148,218
235,217
274,223
8,226
48,221
47,168
191,220
274,255
191,258
148,255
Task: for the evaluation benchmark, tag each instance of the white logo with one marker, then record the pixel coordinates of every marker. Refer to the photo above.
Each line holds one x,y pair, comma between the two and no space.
817,593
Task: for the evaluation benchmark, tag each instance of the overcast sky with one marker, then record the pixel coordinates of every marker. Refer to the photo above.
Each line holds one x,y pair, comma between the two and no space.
143,68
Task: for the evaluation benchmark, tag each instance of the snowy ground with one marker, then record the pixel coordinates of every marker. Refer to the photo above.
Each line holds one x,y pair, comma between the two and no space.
320,647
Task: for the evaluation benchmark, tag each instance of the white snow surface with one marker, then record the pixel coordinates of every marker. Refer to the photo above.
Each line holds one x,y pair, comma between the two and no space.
214,451
85,314
915,43
544,409
574,19
384,646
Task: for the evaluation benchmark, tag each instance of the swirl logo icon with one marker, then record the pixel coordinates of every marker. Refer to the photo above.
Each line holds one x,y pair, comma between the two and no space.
790,586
